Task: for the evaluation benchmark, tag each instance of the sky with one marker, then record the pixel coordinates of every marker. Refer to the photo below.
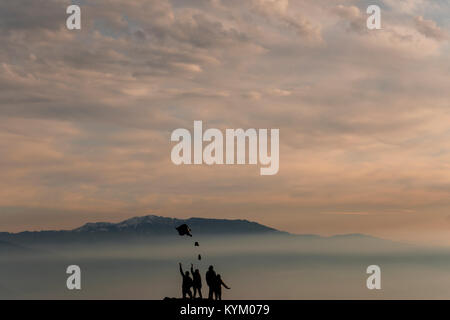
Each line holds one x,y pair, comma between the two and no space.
86,115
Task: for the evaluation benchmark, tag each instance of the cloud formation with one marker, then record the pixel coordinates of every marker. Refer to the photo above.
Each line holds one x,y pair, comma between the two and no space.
86,116
429,29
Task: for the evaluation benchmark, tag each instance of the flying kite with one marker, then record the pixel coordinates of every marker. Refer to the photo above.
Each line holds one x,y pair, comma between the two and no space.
184,230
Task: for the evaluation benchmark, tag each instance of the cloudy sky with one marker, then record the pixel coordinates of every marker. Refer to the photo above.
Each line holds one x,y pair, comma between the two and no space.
364,116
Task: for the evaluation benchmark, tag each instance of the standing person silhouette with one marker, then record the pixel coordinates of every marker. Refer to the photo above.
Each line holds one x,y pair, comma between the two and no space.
187,283
218,287
197,283
210,280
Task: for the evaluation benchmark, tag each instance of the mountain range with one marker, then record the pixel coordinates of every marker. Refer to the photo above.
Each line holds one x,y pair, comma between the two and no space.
155,228
140,227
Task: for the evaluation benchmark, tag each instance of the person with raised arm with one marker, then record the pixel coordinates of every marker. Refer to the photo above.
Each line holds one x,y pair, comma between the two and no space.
197,282
187,283
218,287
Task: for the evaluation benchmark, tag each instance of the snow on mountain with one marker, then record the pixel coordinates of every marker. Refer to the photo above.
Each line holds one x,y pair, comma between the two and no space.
157,225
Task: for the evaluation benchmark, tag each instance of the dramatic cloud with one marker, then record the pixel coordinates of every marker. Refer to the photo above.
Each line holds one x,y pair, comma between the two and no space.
86,116
277,11
353,15
429,29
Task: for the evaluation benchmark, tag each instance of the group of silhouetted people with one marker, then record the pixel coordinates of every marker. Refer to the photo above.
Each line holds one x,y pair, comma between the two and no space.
213,280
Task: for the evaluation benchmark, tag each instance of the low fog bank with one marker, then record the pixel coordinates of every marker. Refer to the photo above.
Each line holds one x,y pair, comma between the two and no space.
256,267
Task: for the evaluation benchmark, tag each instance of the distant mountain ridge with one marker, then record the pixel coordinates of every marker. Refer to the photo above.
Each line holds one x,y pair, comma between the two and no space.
153,228
138,227
156,224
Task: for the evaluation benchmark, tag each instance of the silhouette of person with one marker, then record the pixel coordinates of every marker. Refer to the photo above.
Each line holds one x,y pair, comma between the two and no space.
218,287
187,283
197,283
210,280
